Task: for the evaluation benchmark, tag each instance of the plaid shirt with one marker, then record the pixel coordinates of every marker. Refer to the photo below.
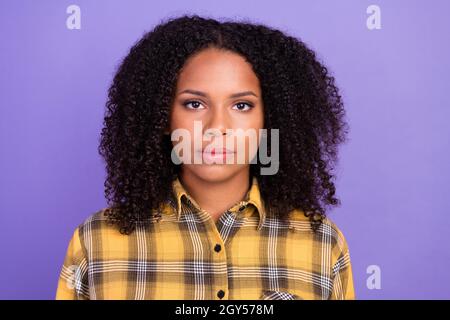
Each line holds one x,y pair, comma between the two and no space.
186,255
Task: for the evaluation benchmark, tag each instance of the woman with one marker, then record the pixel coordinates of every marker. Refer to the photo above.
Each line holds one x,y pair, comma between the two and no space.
176,228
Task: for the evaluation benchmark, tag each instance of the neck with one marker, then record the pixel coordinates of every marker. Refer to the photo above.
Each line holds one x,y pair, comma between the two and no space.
215,197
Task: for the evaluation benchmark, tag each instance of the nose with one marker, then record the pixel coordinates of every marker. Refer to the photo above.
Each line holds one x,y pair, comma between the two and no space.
217,122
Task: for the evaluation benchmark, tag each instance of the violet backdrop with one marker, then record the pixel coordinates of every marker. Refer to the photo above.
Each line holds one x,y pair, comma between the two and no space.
393,174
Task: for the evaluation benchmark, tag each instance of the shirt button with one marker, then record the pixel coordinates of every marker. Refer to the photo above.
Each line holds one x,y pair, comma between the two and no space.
217,247
220,294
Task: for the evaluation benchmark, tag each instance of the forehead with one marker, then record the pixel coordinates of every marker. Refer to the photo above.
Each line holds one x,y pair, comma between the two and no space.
214,68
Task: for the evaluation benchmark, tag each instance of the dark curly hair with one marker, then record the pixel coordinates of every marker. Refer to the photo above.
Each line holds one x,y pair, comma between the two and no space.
298,92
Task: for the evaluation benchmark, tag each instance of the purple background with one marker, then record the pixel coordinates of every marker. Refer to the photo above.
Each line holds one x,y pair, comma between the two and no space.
393,174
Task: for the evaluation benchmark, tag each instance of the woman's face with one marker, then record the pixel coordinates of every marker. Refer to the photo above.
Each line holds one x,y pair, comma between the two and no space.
217,91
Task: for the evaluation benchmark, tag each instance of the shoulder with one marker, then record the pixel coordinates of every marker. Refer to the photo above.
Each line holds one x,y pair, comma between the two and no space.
340,253
96,227
328,233
95,221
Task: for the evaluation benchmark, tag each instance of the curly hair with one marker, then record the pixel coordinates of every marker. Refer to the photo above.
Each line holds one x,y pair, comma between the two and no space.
300,99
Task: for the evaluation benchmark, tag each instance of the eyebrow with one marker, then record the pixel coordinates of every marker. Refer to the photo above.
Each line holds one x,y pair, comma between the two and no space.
234,95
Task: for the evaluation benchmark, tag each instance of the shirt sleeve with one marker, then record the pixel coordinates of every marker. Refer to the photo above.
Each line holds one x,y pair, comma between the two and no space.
343,288
73,281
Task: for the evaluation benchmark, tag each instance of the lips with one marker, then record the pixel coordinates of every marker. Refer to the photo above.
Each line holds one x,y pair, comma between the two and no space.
214,151
216,155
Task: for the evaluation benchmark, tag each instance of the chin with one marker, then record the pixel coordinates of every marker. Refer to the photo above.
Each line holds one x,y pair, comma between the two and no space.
214,172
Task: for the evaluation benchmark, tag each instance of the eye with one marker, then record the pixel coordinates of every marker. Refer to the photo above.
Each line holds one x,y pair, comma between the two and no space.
193,104
243,106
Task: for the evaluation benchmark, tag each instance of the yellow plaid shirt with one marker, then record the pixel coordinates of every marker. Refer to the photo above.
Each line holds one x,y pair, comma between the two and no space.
185,254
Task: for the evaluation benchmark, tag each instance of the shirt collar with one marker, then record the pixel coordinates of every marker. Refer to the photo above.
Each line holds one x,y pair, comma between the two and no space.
253,197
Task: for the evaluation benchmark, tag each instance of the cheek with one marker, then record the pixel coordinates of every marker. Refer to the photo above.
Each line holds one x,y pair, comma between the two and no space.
258,125
181,120
254,125
192,138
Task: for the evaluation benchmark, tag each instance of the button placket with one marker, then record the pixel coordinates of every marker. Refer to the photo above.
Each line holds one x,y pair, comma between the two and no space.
218,256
